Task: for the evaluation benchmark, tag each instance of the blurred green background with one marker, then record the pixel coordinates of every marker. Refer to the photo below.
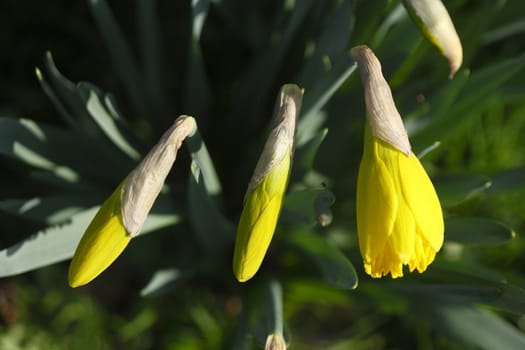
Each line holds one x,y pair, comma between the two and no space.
223,62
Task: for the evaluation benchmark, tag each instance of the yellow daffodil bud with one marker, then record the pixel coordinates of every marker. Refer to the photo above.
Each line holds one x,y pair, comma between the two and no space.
432,18
265,193
123,214
275,342
399,217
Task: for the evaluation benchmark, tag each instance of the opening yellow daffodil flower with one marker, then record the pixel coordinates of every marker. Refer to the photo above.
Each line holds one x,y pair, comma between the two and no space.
399,217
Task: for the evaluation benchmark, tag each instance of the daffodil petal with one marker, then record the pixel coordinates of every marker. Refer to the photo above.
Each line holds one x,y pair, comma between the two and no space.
104,240
377,203
424,202
403,232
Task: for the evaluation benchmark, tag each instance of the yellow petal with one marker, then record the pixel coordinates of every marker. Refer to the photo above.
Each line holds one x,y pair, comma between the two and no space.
258,221
403,232
104,240
422,198
376,202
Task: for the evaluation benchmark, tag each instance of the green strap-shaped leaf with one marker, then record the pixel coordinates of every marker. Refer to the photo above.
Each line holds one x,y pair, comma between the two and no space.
335,268
105,121
48,246
454,189
68,155
121,54
472,325
478,87
326,70
306,207
52,209
152,57
57,243
197,88
477,231
256,86
63,94
507,180
328,80
162,282
212,228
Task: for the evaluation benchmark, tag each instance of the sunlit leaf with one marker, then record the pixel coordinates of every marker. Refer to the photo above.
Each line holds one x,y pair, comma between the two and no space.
162,282
57,243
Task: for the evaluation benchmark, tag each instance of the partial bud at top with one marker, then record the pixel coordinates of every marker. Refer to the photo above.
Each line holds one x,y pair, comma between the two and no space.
383,117
432,18
275,342
143,185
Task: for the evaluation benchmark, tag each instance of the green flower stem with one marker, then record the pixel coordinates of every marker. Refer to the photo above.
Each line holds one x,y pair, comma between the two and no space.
276,294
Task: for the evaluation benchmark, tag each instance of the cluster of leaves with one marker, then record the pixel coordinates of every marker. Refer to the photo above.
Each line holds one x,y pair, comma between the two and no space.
233,60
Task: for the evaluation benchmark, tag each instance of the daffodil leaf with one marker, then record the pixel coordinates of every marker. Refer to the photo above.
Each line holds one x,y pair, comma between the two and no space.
475,90
105,120
211,226
305,155
307,207
162,282
503,32
204,164
391,28
465,322
374,12
58,242
258,83
331,74
52,209
68,155
204,194
501,295
336,34
48,246
63,94
197,91
511,299
333,265
453,189
121,54
152,55
507,180
477,231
